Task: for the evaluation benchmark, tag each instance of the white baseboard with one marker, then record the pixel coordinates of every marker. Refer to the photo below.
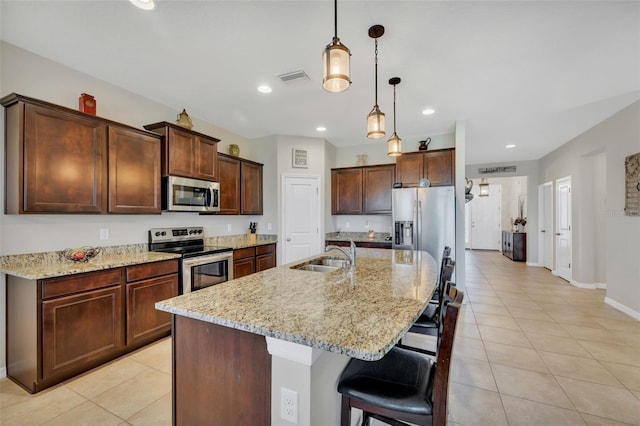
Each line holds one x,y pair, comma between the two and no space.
533,264
3,372
590,286
553,271
602,286
622,308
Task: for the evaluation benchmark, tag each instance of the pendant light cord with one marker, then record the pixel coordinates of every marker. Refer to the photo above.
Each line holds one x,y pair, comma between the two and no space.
376,62
335,18
394,109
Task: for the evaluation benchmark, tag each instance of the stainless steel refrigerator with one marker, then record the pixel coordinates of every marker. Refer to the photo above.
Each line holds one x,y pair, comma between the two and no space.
424,219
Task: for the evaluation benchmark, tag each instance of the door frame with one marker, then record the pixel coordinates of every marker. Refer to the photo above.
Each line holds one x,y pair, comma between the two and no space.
556,270
282,231
548,186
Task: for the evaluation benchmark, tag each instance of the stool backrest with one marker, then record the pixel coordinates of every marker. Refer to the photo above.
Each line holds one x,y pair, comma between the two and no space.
443,362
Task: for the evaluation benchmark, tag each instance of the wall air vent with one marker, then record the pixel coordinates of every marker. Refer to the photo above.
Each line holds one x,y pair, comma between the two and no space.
293,76
493,170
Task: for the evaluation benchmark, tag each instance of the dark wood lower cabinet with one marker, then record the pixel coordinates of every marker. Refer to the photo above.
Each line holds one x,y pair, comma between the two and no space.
81,328
365,244
60,327
249,260
514,245
221,375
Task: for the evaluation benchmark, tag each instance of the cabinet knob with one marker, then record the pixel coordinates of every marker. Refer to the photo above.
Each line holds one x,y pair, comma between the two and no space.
558,234
288,239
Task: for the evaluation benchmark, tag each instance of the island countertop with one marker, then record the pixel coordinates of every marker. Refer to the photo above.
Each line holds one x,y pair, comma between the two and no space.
360,313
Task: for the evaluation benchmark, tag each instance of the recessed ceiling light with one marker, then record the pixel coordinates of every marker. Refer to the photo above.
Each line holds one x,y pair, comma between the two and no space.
264,89
428,111
511,145
321,129
144,4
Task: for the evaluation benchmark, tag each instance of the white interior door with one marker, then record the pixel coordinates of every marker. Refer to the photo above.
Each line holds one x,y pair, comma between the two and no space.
563,228
545,198
301,209
486,217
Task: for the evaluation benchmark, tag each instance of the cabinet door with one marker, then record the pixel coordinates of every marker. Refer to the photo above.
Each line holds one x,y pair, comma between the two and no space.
144,322
251,188
265,257
206,159
243,267
409,168
81,328
134,172
229,178
438,167
64,162
378,182
182,150
346,191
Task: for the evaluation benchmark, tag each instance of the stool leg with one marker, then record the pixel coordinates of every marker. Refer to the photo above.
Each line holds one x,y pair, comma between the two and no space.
345,412
366,419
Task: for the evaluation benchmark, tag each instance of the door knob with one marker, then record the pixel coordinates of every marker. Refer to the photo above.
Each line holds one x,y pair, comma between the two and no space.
288,239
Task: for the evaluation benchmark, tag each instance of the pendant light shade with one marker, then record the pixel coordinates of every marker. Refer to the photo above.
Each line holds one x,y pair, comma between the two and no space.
336,62
375,119
394,144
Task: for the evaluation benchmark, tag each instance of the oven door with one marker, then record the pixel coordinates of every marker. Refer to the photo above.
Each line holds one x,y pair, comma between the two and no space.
205,271
190,195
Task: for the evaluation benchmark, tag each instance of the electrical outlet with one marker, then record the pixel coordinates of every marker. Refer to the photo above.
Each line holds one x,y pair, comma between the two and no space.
289,405
228,227
347,225
104,233
269,227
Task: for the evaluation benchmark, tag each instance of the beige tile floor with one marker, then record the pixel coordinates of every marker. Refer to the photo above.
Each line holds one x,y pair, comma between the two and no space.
530,350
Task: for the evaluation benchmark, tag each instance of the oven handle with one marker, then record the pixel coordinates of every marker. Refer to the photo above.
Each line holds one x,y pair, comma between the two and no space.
202,260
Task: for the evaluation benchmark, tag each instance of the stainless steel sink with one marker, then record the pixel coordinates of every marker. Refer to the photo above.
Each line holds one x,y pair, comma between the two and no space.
316,268
322,264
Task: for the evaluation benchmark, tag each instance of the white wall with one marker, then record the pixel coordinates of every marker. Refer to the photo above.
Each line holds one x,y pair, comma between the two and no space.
581,158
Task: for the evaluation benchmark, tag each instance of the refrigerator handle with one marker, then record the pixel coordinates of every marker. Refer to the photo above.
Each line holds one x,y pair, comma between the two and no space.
418,228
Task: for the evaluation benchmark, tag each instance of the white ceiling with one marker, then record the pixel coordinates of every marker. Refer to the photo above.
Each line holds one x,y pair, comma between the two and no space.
535,74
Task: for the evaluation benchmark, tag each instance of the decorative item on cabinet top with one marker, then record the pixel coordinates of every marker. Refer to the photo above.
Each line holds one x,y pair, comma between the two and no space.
234,150
87,104
184,120
424,145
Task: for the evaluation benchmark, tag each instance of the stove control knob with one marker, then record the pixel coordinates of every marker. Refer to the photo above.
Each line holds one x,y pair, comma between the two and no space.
157,233
164,233
199,231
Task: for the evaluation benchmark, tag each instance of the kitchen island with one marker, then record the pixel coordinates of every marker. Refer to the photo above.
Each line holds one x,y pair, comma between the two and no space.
237,344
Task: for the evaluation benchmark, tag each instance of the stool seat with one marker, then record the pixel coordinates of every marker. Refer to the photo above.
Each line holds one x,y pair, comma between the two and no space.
401,381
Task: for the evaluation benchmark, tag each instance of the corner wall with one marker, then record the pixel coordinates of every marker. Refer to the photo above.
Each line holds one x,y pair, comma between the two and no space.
616,137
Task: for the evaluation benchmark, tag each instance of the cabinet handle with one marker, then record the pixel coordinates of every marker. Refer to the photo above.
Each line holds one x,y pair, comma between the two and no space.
543,231
558,234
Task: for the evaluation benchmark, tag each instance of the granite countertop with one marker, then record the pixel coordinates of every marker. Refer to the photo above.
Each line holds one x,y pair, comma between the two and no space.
35,266
358,237
361,313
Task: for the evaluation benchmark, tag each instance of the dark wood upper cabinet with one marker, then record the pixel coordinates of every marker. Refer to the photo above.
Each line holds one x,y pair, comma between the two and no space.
187,153
229,179
250,188
378,183
56,161
346,191
362,190
438,166
240,185
134,172
59,160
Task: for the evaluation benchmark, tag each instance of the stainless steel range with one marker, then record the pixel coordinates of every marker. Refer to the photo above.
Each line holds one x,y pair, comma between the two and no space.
201,265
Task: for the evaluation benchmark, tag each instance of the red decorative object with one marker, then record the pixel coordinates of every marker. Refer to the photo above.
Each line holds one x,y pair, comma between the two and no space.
87,104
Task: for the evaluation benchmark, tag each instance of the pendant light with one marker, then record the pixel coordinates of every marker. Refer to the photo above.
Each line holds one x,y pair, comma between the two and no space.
375,119
336,66
394,144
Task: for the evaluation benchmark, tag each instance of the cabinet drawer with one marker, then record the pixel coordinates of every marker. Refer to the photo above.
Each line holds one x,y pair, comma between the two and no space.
268,248
244,252
150,270
71,284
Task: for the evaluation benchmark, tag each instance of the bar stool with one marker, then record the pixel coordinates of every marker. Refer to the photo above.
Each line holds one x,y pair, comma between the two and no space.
403,386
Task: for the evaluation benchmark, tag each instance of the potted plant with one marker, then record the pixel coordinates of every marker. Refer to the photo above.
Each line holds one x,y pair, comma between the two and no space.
520,221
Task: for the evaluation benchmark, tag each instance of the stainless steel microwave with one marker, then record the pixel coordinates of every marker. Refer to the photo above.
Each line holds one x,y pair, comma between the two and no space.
190,195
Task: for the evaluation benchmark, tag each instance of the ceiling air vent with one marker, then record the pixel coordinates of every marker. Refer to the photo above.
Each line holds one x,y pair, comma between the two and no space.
294,76
493,170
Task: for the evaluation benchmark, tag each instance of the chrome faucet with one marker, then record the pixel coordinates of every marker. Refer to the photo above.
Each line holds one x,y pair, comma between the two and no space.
351,255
